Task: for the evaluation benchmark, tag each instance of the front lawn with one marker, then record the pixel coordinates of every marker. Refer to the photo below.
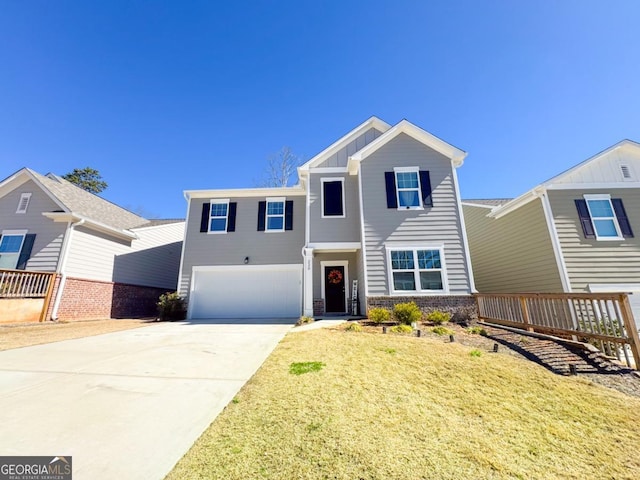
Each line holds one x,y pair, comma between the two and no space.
397,407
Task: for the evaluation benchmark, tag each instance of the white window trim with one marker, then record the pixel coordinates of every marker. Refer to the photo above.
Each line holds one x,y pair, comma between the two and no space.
266,213
218,201
336,263
344,207
15,233
415,170
24,196
416,271
602,196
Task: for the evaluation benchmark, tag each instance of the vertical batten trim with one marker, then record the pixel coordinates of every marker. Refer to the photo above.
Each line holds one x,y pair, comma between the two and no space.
555,242
463,231
363,239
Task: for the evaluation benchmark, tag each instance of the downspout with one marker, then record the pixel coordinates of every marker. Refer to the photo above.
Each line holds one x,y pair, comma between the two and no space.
61,267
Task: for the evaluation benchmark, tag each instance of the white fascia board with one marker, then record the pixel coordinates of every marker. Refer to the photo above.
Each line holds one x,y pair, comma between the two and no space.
456,155
91,224
246,192
22,176
592,186
335,246
373,122
470,204
517,202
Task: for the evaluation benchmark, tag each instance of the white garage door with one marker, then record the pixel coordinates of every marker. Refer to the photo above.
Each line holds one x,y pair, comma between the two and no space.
246,291
632,289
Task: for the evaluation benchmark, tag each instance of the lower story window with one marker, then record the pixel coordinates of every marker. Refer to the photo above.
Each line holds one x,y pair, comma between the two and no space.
417,270
10,246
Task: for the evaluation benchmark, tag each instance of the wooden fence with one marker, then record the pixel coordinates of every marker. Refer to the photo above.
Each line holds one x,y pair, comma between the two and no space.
602,319
21,284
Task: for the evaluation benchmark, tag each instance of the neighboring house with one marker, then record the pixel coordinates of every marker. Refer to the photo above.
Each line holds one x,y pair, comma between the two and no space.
109,261
380,206
576,232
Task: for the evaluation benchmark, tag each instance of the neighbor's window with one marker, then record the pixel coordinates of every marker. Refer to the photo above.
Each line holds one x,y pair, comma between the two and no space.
417,270
332,197
408,188
603,217
219,216
275,215
10,246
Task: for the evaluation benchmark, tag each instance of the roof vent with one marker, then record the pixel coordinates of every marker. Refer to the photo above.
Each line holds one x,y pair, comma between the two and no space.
626,172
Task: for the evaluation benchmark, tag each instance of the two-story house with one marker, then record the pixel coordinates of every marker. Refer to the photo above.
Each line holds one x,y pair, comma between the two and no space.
375,219
576,232
108,262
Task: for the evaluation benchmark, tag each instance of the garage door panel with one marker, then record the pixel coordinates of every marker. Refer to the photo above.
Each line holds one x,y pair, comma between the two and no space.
247,292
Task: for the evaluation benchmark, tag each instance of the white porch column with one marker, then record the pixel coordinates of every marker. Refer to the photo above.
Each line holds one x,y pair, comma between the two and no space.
307,300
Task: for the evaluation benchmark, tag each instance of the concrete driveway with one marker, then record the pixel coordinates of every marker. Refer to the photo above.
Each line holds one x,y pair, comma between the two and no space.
128,404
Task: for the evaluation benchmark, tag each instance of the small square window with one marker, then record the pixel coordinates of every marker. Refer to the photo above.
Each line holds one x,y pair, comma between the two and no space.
218,216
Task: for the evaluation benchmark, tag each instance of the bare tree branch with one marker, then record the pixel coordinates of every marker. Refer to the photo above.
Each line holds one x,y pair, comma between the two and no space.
282,169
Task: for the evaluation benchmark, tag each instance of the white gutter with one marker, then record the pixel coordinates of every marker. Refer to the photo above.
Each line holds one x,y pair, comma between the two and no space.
61,267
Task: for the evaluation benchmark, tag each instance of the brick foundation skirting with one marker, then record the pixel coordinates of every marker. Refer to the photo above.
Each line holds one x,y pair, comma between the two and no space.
461,304
92,299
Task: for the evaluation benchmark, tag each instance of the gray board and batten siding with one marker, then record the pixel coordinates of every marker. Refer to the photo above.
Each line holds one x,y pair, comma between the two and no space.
512,253
231,248
49,235
341,157
334,229
589,260
439,224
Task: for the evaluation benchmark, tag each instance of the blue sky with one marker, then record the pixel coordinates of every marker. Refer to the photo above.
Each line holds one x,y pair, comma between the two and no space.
166,96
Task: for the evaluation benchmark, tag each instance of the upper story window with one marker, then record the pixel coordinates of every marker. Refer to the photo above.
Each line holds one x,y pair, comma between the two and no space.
23,204
603,218
333,197
218,216
275,215
408,188
417,270
10,246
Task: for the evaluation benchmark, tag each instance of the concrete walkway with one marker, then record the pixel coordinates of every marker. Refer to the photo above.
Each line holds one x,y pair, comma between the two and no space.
128,404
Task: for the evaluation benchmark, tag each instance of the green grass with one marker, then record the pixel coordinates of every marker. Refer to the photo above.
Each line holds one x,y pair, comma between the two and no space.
428,411
298,368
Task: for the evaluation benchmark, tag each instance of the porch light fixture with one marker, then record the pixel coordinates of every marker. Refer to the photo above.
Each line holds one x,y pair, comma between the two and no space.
246,260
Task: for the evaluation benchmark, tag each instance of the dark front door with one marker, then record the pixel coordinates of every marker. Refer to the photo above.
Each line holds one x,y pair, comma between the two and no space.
334,289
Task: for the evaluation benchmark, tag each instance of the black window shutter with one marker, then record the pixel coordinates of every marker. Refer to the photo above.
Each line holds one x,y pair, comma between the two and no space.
425,186
623,221
231,221
204,221
585,219
390,183
262,211
25,253
288,215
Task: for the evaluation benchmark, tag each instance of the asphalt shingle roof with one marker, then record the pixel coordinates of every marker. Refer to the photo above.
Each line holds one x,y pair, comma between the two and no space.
492,202
88,205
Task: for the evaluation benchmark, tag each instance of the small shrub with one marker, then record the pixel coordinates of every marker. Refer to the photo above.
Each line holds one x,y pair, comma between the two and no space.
304,320
298,368
440,330
475,353
171,307
390,351
401,329
477,331
379,315
407,313
438,317
353,327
